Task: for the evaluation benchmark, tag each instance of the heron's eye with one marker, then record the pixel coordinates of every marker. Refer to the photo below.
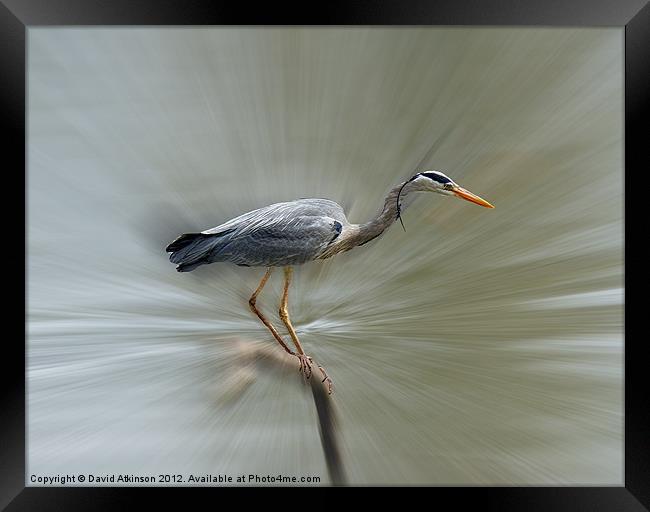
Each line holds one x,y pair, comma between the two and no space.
448,186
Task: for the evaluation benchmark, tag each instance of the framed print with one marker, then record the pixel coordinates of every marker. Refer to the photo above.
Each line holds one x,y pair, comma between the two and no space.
388,246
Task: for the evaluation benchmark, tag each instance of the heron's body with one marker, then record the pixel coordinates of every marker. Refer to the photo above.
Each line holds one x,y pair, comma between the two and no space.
277,235
295,232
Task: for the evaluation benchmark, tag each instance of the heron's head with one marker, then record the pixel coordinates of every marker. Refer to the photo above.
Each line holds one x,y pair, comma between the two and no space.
436,181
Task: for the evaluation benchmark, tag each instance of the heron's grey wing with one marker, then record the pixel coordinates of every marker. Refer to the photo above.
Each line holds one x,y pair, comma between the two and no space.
275,212
286,240
245,219
324,207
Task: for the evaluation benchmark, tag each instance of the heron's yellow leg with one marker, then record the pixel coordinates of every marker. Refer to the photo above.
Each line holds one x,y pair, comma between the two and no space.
305,360
284,311
253,300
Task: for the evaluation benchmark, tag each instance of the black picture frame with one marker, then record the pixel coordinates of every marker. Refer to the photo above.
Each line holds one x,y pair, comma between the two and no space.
16,16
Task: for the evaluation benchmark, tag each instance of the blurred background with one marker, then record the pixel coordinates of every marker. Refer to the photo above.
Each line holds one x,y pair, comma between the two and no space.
478,347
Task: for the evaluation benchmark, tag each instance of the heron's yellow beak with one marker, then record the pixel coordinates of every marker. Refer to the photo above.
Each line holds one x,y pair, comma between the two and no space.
468,196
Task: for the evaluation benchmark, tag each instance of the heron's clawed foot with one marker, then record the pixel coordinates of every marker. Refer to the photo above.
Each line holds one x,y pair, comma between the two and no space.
305,364
326,379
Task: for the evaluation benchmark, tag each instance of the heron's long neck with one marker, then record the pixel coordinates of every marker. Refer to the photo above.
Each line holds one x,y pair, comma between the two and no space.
377,225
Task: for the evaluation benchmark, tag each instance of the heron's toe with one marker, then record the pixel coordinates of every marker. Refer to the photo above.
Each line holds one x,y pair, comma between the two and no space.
305,364
326,379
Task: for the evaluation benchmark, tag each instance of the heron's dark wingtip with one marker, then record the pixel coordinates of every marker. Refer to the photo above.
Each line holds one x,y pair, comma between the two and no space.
182,241
188,267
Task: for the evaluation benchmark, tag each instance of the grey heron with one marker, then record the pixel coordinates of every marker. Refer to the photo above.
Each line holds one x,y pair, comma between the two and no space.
295,232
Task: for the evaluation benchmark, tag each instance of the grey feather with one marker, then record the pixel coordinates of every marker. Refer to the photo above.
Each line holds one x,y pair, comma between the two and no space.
280,234
281,212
